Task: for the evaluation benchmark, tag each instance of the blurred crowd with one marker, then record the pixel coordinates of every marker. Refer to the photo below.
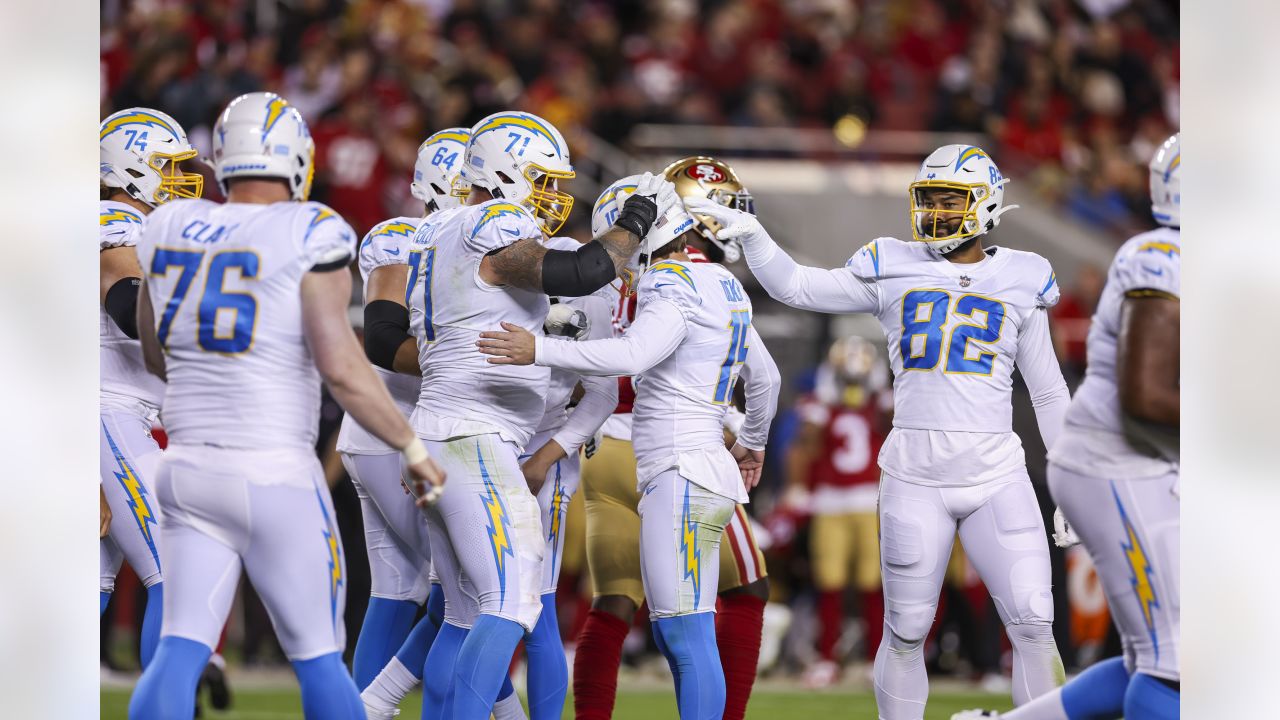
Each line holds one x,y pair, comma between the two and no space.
1074,94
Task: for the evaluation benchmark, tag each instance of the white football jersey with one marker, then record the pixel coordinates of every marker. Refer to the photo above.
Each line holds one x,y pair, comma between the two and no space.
1094,440
224,281
955,333
461,393
387,243
693,322
123,379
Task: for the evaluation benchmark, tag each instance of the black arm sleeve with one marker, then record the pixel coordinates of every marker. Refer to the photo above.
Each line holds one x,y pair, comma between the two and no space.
122,305
574,273
386,327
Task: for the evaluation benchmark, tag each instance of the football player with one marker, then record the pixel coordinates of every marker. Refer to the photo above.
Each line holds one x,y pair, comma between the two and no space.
480,265
395,530
1115,474
832,475
686,348
141,167
240,486
613,520
958,317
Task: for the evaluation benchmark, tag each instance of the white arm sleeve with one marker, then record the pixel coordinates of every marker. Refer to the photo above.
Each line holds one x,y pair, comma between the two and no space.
600,393
762,385
654,334
1039,367
809,288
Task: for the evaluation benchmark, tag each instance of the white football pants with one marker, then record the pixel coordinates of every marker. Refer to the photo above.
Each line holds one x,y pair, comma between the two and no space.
127,460
1004,537
681,525
486,536
1131,530
267,511
561,484
395,530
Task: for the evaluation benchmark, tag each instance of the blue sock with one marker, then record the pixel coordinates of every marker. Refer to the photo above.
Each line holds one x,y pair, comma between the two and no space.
103,599
327,689
690,641
1098,692
413,652
441,661
150,634
548,671
666,653
386,626
1150,699
167,688
507,688
482,664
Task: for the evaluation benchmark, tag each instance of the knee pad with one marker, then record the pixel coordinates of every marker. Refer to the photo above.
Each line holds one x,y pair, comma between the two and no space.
1032,595
1029,633
909,624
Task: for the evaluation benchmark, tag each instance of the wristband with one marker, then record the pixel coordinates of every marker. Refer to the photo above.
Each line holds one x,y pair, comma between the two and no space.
638,215
415,452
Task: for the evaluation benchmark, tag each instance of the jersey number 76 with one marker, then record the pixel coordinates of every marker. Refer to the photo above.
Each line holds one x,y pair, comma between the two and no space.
215,299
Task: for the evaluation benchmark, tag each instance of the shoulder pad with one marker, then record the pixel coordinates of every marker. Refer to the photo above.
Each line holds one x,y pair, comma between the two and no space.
1047,290
118,225
671,280
498,223
326,237
870,260
1151,264
387,243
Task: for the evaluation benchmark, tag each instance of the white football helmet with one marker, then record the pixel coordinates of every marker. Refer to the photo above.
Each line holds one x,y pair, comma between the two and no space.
665,229
140,152
260,135
1166,192
520,157
436,173
965,169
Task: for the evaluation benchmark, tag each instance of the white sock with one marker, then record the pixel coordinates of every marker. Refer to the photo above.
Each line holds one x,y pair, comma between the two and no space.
1037,669
389,688
509,708
1045,707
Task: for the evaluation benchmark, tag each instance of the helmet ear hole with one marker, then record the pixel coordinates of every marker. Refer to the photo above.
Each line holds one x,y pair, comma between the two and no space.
133,173
505,177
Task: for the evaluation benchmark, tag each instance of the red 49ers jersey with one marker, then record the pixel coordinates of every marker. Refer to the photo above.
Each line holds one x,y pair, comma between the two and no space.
850,444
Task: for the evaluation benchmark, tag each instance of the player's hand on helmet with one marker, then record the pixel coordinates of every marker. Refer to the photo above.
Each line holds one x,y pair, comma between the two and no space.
104,514
750,464
735,224
1063,535
513,345
427,480
653,197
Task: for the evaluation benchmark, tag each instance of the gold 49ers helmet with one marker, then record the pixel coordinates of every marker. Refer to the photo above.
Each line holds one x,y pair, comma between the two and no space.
707,177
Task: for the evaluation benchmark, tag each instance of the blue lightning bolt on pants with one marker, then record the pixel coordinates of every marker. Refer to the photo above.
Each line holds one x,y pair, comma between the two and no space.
680,529
127,459
268,513
487,548
1131,530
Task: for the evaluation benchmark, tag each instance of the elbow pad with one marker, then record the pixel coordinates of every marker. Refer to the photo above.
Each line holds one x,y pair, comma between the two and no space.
122,305
574,273
386,327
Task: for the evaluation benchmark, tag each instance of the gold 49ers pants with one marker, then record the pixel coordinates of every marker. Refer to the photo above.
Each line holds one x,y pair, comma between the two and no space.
613,529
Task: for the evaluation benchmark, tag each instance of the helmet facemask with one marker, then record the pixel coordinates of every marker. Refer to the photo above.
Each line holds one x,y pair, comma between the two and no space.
932,225
550,204
174,183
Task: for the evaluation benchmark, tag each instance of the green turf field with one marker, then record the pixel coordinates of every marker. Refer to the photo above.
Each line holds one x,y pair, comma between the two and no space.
632,705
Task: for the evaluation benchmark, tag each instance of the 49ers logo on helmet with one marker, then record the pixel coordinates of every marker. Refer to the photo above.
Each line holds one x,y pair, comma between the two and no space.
703,172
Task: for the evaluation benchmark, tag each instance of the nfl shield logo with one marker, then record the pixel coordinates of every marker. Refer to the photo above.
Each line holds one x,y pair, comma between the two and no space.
965,281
